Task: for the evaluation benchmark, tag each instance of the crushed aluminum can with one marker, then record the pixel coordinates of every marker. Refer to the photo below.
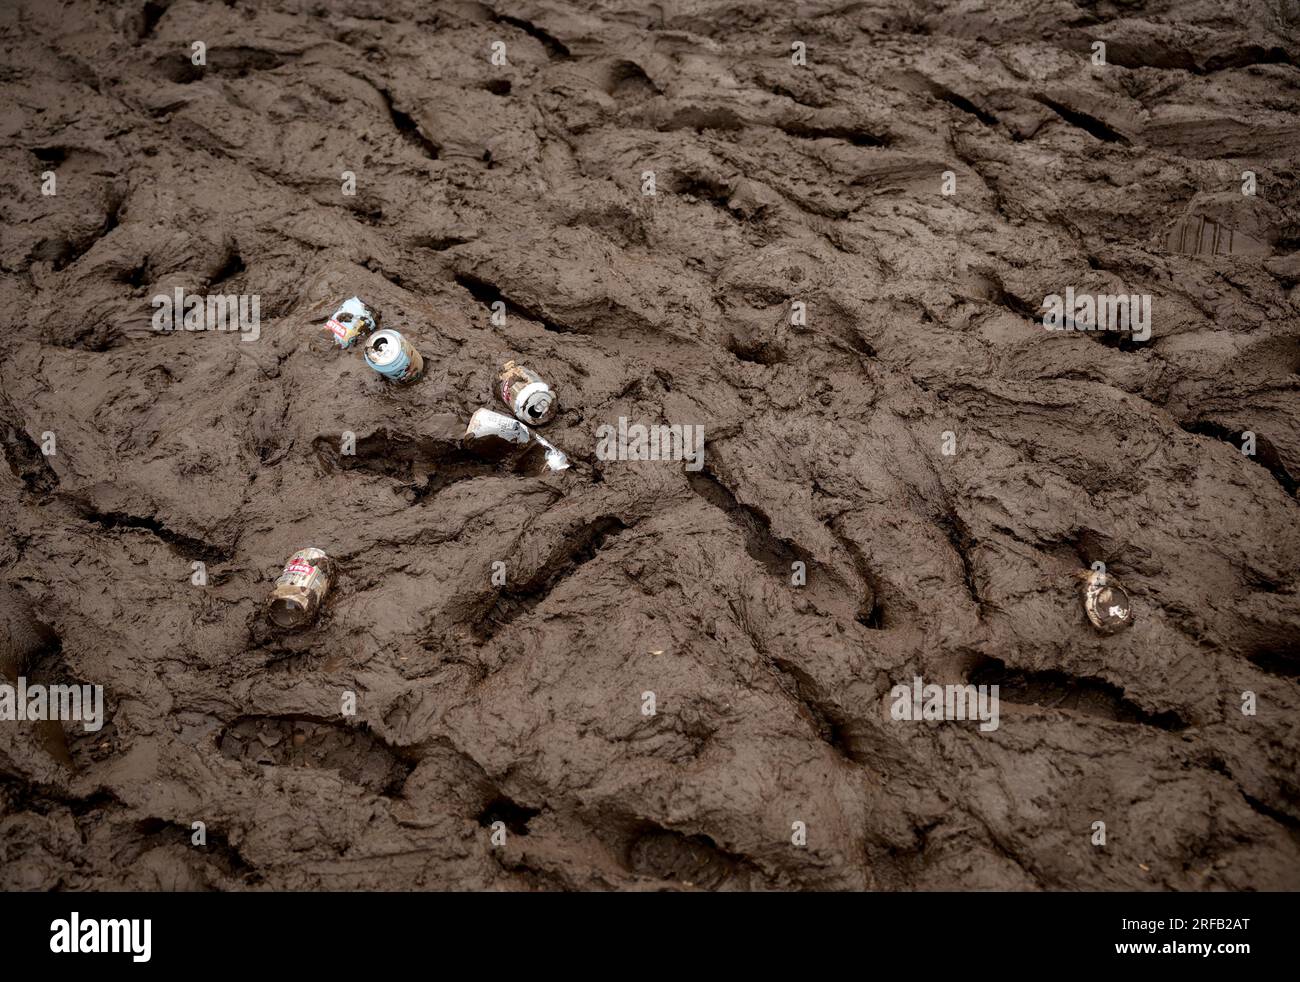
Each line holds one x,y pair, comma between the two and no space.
529,398
393,357
300,589
1106,603
350,321
495,435
490,425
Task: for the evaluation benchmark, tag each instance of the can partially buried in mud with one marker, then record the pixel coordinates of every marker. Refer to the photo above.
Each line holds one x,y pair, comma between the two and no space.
300,589
1106,603
393,357
495,435
529,398
350,321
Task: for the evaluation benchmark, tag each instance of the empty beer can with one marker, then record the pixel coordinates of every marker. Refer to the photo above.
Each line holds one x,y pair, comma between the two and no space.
393,357
300,589
529,398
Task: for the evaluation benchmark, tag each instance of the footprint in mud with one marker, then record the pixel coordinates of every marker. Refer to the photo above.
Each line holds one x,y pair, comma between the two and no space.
506,605
1224,224
288,742
1201,236
689,860
27,648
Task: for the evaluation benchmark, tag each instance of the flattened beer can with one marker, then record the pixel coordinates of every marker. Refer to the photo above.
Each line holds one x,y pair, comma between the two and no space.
350,321
529,398
488,428
300,590
495,435
393,357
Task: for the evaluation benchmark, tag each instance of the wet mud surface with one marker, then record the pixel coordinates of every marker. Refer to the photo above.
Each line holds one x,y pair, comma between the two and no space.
776,185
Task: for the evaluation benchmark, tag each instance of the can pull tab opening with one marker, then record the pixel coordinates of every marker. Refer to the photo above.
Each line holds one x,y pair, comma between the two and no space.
288,613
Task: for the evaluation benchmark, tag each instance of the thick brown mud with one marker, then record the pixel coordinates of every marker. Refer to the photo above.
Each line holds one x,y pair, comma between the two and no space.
801,286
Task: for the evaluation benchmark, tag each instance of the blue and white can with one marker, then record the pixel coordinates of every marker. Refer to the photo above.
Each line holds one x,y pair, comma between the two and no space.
393,357
351,321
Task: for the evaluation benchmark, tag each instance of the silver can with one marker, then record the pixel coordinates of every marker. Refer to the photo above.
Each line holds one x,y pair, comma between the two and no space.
529,398
300,589
393,357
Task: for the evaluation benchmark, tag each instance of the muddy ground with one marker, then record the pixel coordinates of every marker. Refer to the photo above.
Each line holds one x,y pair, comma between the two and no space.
776,184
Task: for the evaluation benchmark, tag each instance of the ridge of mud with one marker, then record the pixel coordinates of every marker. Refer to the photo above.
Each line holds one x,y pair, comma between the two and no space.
1054,689
578,549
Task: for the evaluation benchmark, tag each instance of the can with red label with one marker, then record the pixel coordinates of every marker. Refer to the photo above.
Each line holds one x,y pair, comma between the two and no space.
300,589
529,398
350,321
